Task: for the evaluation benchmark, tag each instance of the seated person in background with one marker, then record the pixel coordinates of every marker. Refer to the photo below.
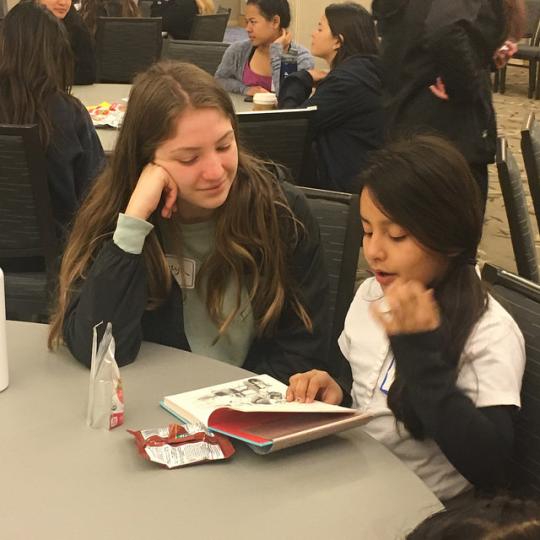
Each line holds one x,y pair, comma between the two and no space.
80,40
436,359
349,119
178,15
188,241
500,518
254,65
36,68
92,9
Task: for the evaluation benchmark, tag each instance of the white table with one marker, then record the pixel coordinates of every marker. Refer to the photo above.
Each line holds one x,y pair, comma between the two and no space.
94,94
61,480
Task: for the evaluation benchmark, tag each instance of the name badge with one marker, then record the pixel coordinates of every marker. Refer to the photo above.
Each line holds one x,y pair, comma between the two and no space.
388,377
184,273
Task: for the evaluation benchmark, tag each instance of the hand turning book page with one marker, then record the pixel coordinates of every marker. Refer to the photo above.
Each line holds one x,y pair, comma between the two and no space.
254,410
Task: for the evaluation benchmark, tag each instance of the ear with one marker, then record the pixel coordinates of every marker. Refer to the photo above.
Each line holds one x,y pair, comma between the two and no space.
339,42
276,21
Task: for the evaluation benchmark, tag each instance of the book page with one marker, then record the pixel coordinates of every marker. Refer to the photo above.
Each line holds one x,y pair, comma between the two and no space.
259,393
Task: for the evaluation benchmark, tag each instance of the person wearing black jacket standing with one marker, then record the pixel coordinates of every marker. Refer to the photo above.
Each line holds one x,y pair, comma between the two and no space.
188,241
349,120
434,358
437,57
81,41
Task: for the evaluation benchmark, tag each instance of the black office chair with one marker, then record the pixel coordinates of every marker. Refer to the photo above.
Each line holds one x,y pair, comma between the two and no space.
530,148
526,51
280,136
28,243
522,299
341,234
205,54
517,212
126,46
209,27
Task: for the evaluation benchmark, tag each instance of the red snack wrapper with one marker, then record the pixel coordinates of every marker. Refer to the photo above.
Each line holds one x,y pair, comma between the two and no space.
177,446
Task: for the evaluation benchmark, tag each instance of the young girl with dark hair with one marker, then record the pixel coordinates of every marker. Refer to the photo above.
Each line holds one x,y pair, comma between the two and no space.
349,120
188,241
36,71
435,358
80,39
254,65
92,9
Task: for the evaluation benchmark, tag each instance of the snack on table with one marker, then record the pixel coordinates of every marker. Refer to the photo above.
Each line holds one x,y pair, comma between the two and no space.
177,446
107,114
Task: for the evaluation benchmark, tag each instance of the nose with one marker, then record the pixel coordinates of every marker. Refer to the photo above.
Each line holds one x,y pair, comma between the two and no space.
213,167
373,246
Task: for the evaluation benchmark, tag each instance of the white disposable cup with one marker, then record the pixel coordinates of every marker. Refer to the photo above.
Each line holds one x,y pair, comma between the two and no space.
264,101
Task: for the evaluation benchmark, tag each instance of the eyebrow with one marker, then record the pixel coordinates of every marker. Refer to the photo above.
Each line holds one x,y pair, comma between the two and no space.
383,222
195,148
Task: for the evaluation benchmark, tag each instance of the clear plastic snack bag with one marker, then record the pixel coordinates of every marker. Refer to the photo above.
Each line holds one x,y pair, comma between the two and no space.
105,396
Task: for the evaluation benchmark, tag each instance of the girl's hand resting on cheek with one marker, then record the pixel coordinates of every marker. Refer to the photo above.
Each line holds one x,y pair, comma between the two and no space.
153,185
314,384
410,308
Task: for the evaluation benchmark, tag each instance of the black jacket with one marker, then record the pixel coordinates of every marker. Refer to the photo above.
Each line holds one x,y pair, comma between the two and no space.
349,120
82,46
177,15
74,158
426,39
115,290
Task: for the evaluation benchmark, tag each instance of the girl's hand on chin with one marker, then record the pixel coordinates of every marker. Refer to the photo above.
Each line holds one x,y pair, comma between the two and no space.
407,308
153,185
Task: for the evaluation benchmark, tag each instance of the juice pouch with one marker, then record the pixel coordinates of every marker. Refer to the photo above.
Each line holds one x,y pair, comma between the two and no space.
105,396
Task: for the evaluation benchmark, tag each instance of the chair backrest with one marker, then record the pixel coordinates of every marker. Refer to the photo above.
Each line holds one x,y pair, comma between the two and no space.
26,222
126,46
281,136
3,8
205,54
209,27
522,300
532,19
530,148
338,217
144,7
517,212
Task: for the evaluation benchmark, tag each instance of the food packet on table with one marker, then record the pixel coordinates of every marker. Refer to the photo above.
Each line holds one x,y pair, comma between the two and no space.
105,396
177,446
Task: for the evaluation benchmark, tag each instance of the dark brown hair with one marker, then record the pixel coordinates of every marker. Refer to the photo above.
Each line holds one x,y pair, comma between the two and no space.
354,27
271,8
425,185
36,63
255,228
92,9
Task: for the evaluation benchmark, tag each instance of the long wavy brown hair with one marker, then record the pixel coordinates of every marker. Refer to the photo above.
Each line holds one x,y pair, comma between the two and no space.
255,228
92,9
36,63
205,7
516,17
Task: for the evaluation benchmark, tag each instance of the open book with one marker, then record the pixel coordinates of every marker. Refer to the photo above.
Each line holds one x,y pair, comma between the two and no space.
254,410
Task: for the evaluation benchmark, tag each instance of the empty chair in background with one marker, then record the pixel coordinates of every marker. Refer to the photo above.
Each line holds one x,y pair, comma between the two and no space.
210,27
204,54
80,40
349,121
36,70
178,15
126,46
530,148
92,9
254,65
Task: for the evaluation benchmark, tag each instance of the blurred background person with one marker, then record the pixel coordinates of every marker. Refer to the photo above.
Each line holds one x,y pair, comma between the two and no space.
254,65
437,58
349,119
178,15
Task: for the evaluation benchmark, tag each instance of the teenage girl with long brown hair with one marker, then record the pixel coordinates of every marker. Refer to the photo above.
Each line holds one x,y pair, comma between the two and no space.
188,241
